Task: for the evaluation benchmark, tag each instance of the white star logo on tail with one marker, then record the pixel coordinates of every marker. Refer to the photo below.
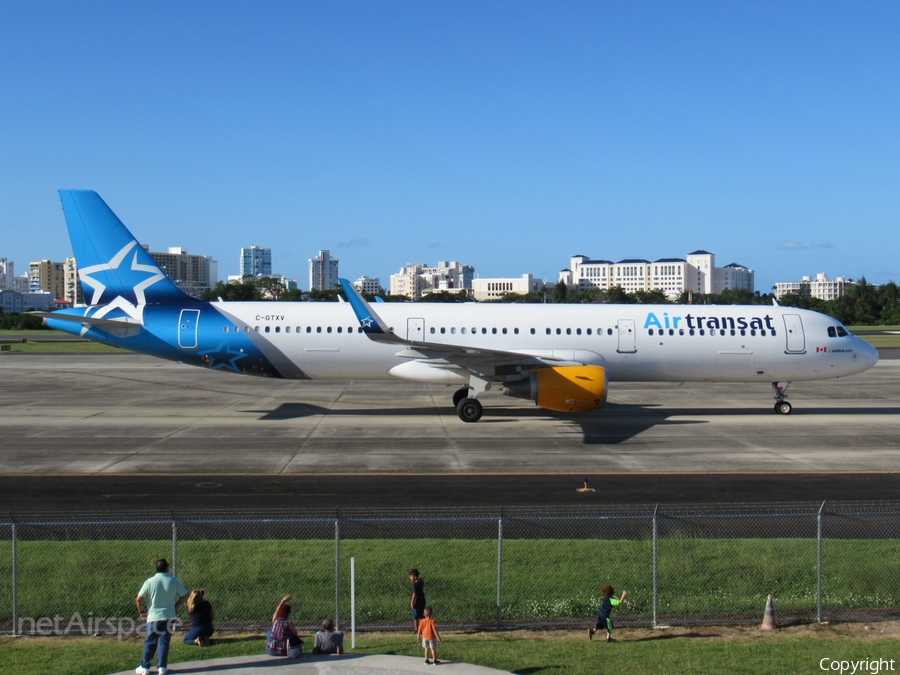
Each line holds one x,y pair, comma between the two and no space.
123,275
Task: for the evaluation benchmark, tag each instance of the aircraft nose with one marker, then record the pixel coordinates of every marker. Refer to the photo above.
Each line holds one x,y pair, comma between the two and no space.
869,354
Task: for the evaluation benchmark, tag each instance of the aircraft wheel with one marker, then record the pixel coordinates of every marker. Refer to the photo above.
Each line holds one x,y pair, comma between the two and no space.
469,410
459,395
783,408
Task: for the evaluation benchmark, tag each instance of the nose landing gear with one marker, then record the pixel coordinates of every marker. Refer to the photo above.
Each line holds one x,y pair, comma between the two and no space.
782,407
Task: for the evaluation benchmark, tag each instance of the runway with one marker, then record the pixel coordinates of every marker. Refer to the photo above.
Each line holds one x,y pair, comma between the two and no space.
121,418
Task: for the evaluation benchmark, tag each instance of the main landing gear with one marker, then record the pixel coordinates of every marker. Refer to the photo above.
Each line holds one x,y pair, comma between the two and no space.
469,410
459,395
782,407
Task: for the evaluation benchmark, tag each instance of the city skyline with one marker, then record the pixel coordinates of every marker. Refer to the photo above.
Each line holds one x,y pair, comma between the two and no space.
505,136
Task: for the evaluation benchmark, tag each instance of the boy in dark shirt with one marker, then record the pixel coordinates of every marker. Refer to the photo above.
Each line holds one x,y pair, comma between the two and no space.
417,601
603,620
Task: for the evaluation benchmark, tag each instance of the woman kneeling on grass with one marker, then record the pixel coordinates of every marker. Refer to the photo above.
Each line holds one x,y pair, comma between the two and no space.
201,612
603,620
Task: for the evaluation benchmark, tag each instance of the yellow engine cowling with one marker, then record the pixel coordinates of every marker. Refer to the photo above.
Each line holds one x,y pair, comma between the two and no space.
565,389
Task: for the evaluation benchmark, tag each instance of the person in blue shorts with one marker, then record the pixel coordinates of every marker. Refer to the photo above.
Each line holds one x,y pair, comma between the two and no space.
604,622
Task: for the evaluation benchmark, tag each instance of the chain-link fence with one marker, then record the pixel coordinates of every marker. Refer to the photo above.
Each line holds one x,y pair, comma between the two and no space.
515,567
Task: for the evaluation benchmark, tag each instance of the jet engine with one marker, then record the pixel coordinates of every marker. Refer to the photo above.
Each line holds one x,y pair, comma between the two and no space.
563,388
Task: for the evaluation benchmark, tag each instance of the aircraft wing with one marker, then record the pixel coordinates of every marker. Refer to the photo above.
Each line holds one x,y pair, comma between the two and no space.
436,354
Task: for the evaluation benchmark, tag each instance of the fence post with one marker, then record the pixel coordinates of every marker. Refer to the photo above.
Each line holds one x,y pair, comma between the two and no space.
500,570
352,602
655,570
819,563
174,546
337,571
15,578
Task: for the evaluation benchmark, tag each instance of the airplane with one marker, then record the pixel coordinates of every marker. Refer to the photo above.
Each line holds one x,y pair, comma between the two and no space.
560,356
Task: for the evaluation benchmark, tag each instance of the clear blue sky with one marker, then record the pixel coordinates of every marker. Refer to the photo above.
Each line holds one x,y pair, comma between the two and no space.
506,135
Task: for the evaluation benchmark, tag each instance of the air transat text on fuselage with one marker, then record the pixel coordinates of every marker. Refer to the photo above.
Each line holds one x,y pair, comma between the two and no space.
709,322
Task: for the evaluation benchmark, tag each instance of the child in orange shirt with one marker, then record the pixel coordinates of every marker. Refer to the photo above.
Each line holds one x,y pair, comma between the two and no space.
430,636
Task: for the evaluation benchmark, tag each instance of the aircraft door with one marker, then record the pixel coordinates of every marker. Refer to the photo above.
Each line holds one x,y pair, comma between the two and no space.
793,328
188,324
415,330
626,336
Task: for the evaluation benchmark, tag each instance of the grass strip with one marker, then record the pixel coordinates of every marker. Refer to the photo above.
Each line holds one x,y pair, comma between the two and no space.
543,580
702,651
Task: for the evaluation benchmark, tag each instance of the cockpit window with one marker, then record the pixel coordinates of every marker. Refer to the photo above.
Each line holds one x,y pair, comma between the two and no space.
842,332
832,331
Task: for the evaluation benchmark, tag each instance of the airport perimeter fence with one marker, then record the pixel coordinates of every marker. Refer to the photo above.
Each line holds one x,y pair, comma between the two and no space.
487,569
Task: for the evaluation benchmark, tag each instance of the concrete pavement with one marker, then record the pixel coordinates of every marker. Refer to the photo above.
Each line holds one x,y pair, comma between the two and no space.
349,664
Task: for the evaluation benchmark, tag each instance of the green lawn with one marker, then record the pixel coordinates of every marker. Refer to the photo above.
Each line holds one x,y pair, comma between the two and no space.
549,580
699,652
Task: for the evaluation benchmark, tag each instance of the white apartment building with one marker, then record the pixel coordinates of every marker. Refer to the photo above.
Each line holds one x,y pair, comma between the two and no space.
415,279
74,293
14,302
367,285
822,288
8,279
323,272
492,289
697,273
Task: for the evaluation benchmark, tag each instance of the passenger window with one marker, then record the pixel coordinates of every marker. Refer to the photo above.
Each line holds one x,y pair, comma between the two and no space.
328,329
453,331
577,331
484,331
287,329
350,329
732,331
318,329
463,330
773,332
568,331
722,331
494,331
743,332
691,331
558,331
752,332
609,331
516,331
504,331
650,331
226,329
762,332
702,332
532,331
672,331
681,331
277,329
340,329
832,331
588,331
443,330
432,330
548,331
256,328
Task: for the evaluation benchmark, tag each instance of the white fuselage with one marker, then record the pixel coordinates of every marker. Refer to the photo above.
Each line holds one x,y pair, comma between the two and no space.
667,343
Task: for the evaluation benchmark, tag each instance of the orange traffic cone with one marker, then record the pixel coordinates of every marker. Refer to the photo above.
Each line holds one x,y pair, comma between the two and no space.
769,617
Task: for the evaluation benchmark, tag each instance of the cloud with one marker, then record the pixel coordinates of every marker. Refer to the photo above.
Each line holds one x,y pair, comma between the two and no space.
821,244
354,243
434,245
789,245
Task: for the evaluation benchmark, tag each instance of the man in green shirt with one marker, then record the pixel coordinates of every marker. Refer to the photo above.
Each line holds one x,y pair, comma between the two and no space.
166,595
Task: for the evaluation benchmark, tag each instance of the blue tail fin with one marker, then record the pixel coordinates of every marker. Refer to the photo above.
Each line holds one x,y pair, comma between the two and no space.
113,267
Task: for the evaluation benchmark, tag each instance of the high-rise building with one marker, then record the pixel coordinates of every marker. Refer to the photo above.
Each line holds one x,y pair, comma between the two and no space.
323,272
49,276
193,274
256,261
8,279
74,293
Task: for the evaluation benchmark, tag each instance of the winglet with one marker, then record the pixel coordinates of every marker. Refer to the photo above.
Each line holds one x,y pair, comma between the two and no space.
371,323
